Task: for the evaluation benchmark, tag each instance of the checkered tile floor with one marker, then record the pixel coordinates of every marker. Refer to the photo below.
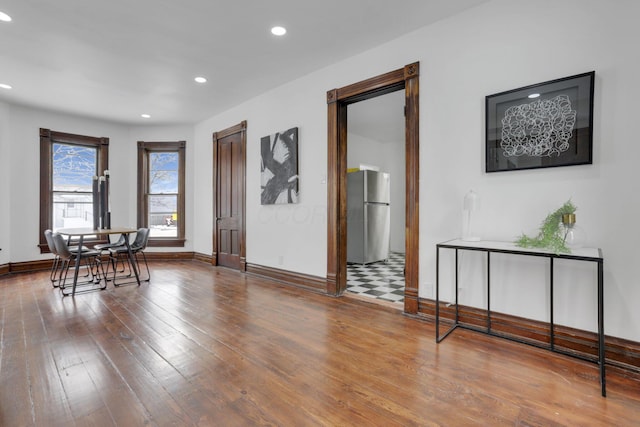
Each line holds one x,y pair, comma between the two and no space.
381,280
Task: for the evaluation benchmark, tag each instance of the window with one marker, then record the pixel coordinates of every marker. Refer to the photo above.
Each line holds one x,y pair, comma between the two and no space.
161,191
68,164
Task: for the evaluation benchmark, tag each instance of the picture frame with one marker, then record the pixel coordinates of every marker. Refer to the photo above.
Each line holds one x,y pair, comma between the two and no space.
543,125
279,168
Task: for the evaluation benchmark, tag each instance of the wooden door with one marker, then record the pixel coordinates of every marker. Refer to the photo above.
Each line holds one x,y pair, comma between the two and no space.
229,197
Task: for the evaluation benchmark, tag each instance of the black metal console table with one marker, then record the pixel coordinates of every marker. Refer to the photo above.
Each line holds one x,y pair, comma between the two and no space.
489,247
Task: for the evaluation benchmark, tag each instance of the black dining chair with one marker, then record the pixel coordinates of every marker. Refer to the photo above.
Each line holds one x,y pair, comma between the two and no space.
120,254
89,259
56,258
104,247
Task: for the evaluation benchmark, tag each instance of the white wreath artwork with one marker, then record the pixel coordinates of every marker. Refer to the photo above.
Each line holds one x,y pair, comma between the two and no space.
541,128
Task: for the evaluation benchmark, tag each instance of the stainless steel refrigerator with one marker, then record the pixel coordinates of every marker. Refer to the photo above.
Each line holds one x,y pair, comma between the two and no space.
368,216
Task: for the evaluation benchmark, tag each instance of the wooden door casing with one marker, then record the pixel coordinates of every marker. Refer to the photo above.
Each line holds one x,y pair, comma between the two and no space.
229,185
407,79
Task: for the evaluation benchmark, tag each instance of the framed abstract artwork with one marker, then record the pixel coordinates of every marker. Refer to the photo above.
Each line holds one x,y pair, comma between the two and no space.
543,125
279,168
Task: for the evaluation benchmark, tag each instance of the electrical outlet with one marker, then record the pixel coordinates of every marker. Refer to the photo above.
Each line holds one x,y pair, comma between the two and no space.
280,260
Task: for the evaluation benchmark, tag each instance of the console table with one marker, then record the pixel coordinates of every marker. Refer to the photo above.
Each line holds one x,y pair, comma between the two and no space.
489,247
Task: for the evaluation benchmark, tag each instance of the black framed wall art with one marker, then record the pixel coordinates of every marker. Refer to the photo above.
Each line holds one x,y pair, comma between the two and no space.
543,125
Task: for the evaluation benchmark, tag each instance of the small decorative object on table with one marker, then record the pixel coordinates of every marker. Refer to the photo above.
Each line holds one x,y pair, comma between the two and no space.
574,236
470,204
558,232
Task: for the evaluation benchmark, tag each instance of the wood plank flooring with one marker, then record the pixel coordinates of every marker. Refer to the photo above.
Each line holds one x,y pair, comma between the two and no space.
212,347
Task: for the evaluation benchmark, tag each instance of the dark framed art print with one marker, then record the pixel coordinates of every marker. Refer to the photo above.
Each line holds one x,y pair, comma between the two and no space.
543,125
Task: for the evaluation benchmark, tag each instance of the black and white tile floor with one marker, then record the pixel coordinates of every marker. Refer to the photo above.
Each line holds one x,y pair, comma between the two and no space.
381,280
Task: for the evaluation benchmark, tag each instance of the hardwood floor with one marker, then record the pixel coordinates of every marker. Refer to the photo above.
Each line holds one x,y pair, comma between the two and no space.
212,347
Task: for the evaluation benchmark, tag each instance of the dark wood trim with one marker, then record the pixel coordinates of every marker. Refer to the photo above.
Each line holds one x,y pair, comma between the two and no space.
372,87
144,148
169,256
621,353
300,280
27,266
412,159
197,256
406,78
5,269
45,264
242,129
166,243
47,138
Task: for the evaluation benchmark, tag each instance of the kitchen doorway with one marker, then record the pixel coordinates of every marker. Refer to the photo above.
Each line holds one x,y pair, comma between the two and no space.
376,198
406,80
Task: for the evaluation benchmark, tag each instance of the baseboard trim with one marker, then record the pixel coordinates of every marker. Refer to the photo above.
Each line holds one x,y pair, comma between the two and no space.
619,352
312,283
169,256
197,256
29,266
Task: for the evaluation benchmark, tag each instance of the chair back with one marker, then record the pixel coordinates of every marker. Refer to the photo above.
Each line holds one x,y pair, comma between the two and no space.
141,240
61,246
52,246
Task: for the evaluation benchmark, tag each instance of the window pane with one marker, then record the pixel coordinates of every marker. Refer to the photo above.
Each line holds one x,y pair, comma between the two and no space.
72,210
163,216
163,172
73,167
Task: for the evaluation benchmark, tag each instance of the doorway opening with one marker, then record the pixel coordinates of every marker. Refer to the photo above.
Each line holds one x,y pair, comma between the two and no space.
407,80
376,199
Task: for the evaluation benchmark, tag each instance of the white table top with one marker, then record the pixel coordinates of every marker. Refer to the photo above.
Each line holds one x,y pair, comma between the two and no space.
88,231
594,253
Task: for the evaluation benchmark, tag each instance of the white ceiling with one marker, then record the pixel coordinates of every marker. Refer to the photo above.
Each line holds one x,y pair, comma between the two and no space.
117,59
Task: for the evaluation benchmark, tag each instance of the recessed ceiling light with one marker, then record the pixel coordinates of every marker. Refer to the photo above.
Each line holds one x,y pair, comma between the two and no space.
5,86
145,116
4,17
534,95
200,79
278,31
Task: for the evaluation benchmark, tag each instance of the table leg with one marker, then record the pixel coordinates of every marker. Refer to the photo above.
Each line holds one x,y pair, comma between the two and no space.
601,353
552,337
132,260
437,294
77,270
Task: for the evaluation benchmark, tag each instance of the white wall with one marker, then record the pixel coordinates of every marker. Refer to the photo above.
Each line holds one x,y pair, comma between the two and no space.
389,157
505,45
165,133
4,183
290,237
495,47
24,171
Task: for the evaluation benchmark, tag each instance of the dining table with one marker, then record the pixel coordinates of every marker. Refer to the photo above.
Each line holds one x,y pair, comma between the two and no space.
82,232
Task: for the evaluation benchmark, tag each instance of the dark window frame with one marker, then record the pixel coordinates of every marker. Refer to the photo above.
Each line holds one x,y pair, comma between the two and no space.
47,139
144,149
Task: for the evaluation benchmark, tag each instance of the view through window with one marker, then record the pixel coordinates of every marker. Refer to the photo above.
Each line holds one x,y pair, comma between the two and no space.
68,163
163,194
161,188
73,170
